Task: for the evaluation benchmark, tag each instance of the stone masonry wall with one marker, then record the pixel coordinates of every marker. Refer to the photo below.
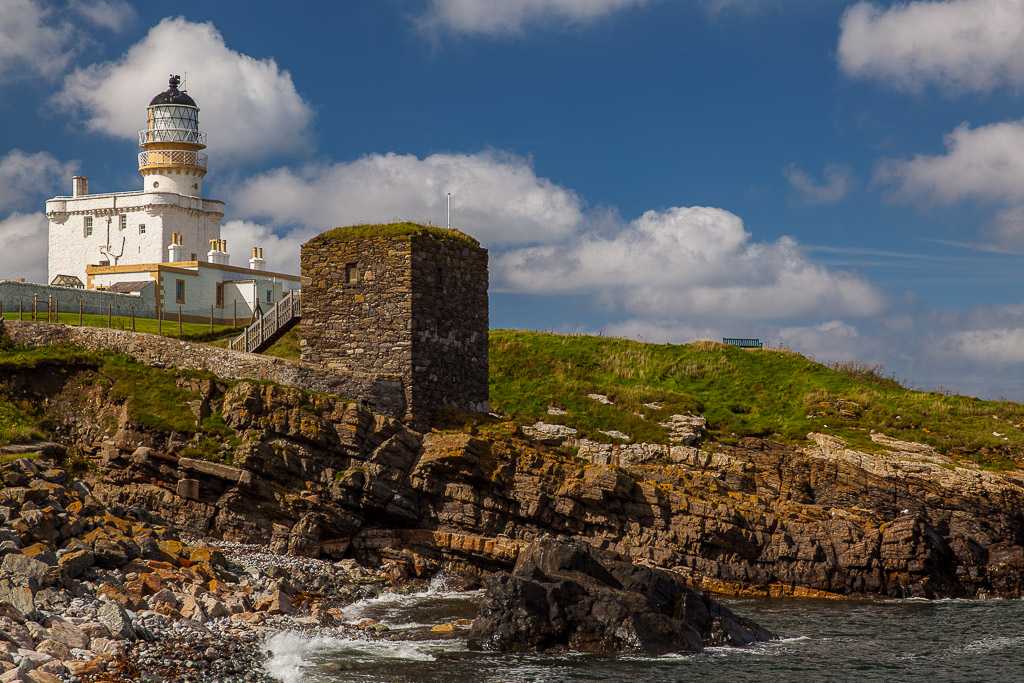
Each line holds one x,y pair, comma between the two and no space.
450,325
381,393
412,305
93,302
362,324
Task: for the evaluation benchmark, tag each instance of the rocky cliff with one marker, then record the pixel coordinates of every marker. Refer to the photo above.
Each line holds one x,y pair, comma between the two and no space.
314,475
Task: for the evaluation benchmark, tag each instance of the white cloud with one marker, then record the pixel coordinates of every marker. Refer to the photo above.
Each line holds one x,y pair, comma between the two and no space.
510,17
829,340
660,331
33,41
980,163
662,265
833,188
688,261
961,45
24,253
1007,229
113,15
25,178
1000,346
41,39
249,107
716,8
496,197
281,252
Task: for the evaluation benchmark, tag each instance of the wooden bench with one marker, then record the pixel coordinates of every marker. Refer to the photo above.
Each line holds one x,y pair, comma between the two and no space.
743,343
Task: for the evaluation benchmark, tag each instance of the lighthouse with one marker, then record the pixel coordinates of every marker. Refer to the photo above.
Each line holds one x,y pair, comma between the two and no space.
171,160
161,243
167,221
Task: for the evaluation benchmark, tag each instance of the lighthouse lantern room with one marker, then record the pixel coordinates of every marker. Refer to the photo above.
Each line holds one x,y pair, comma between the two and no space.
170,159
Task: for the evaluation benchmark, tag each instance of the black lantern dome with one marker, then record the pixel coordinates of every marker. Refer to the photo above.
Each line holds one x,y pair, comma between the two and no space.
172,95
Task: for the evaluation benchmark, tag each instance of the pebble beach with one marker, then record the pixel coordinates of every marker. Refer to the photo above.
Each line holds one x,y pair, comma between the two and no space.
96,594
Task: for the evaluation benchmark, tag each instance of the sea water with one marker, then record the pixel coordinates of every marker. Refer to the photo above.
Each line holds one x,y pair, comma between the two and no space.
868,640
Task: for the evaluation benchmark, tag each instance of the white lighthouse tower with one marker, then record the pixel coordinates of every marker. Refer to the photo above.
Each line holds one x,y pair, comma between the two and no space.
167,221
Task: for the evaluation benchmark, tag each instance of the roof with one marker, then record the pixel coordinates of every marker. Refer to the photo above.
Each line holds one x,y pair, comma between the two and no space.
129,287
67,281
172,95
353,232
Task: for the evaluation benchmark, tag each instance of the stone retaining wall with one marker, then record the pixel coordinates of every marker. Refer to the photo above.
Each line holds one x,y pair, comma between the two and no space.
93,302
384,394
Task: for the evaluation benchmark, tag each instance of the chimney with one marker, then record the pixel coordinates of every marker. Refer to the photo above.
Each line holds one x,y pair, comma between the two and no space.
257,262
175,252
79,186
218,252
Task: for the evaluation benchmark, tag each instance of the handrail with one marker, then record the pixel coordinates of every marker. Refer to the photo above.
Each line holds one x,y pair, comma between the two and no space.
164,157
268,324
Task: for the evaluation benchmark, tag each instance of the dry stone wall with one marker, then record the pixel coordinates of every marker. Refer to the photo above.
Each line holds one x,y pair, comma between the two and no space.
381,393
68,298
412,305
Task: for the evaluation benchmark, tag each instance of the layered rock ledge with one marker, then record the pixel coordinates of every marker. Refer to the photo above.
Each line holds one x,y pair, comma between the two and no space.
316,475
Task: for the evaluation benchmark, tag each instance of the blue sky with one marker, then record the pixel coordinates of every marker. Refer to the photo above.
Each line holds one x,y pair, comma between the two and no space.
842,178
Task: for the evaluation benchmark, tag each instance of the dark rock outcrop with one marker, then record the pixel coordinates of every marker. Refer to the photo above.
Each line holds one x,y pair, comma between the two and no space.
561,596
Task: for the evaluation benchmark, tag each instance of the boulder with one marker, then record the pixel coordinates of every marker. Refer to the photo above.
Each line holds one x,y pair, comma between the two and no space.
115,618
67,633
561,596
24,571
19,597
546,433
75,562
277,602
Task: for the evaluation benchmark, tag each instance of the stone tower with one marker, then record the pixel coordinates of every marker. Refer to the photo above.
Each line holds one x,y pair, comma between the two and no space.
401,300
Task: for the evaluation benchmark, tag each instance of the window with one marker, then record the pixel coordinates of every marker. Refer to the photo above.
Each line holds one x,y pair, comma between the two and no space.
88,226
142,228
351,273
220,295
123,221
194,256
269,295
179,291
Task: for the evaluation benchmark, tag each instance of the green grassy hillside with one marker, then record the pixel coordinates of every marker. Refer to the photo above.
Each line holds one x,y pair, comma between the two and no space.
777,394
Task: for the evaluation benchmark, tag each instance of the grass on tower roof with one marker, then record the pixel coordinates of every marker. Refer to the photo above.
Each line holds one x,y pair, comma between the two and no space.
352,232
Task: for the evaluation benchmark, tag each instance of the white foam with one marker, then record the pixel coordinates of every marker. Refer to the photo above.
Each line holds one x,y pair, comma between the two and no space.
993,643
367,607
438,584
292,653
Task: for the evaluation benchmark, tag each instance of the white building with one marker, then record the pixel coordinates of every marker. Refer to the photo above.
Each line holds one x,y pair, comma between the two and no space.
167,228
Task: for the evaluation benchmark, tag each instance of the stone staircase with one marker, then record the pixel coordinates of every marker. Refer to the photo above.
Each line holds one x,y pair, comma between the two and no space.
271,325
